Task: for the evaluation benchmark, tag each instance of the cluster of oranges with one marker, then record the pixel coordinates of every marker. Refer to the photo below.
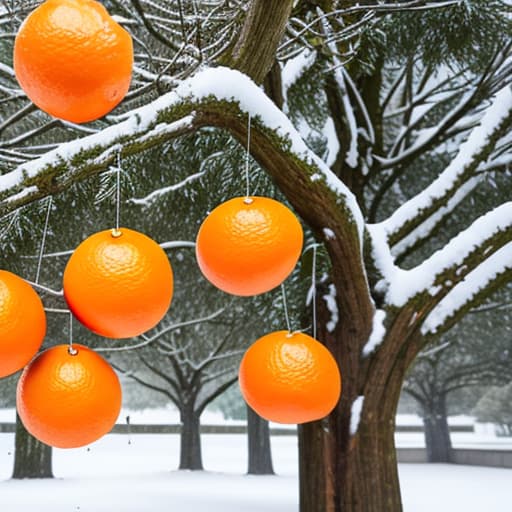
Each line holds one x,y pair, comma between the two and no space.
119,283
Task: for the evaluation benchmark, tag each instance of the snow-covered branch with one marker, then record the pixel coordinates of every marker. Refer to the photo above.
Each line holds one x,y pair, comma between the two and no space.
470,291
213,97
417,218
471,252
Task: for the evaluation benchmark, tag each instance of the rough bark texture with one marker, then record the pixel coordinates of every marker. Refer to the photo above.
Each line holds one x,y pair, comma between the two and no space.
341,472
258,439
32,459
312,470
437,433
255,50
190,441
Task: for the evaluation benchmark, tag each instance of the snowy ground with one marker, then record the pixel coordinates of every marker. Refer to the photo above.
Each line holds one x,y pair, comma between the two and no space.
112,475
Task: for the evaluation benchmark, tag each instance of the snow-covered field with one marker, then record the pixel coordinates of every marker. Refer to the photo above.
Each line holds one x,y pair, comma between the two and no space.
137,474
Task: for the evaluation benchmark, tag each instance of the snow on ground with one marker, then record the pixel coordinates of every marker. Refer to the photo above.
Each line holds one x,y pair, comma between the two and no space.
114,476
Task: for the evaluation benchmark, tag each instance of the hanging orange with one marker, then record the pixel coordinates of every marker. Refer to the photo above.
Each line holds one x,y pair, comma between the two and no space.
290,378
248,246
118,284
22,323
73,60
66,400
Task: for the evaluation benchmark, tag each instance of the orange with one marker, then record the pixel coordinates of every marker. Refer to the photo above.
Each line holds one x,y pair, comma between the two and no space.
22,323
248,246
118,286
290,378
66,400
73,60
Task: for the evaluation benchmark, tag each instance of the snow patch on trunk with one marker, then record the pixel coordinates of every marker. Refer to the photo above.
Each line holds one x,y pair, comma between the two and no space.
355,414
329,234
377,334
330,300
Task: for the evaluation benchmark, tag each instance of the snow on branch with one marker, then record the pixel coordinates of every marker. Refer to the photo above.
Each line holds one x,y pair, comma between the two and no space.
212,97
440,273
455,182
295,68
462,296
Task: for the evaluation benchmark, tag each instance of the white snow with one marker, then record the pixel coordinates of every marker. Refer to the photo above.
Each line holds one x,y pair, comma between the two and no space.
377,334
332,306
332,142
425,228
447,488
500,108
114,476
355,414
329,234
401,285
224,85
464,291
295,68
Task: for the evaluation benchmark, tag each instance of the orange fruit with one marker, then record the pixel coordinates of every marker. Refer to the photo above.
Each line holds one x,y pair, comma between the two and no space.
22,323
289,378
73,60
118,286
67,401
247,246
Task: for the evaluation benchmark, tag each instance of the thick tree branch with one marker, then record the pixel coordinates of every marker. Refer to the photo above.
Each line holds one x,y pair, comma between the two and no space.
263,29
417,218
428,283
476,286
217,97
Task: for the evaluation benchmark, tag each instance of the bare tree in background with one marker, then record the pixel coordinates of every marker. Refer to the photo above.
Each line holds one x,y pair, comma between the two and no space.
475,354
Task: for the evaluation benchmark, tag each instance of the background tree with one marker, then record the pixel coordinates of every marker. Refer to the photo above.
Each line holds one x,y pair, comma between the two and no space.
368,104
495,407
474,354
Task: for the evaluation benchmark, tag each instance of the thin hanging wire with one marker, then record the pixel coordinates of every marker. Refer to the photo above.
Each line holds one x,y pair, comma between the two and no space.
247,154
313,286
118,190
71,350
43,241
285,305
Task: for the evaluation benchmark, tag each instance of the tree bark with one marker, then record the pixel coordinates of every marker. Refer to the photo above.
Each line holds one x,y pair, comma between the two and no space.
263,29
258,439
344,471
312,470
190,448
32,458
437,433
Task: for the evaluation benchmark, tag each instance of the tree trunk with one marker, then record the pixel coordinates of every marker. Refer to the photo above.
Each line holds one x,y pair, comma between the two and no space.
437,433
190,450
344,471
312,470
258,439
32,458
